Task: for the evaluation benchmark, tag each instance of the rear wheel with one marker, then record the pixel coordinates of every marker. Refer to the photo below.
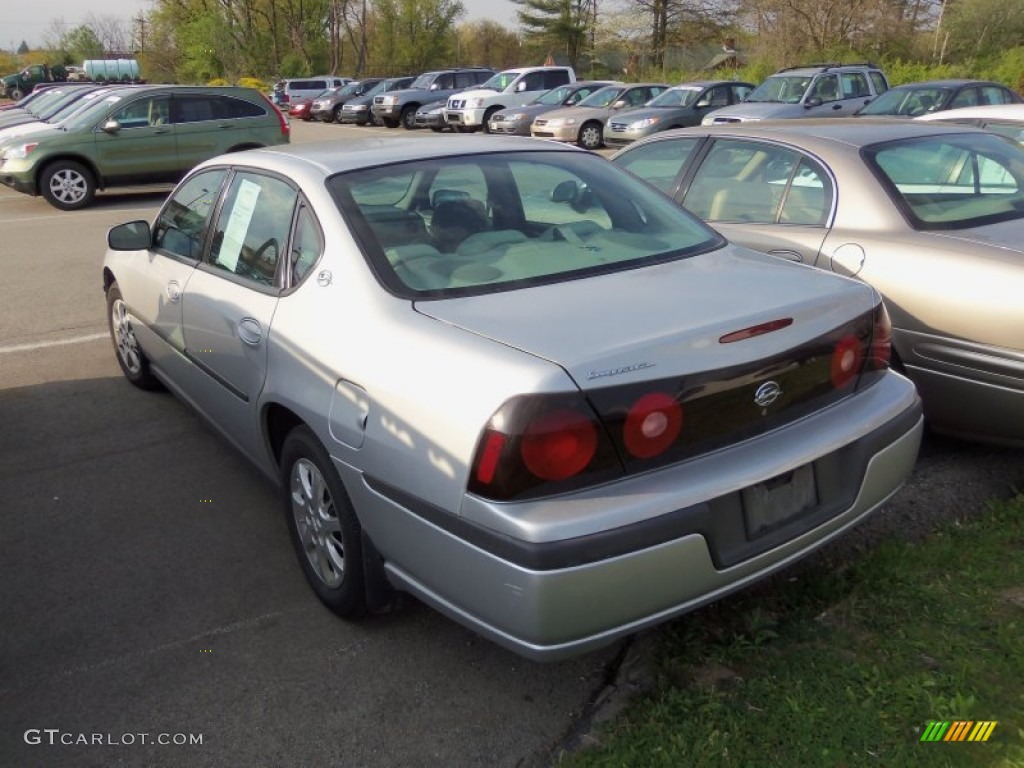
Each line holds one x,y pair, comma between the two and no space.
590,136
324,529
67,185
409,117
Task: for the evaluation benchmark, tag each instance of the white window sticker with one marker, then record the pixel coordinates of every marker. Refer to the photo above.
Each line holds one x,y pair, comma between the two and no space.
238,224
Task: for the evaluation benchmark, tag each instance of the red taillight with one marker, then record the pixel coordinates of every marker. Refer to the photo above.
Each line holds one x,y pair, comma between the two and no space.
285,128
652,425
494,442
559,445
541,444
847,358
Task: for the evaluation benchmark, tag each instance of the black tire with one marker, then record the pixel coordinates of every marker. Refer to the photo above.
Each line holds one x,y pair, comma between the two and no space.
324,529
436,128
487,118
409,117
336,115
67,185
389,122
590,136
130,357
16,94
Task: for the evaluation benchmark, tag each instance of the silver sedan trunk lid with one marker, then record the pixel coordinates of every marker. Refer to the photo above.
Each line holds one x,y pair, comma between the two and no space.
665,320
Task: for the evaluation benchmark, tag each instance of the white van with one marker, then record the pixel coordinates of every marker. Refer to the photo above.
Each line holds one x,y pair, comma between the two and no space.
308,87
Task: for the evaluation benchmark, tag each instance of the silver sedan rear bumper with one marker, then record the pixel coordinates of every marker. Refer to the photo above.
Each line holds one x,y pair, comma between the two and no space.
541,580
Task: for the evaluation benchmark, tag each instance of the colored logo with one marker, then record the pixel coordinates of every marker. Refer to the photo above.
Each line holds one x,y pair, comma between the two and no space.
958,730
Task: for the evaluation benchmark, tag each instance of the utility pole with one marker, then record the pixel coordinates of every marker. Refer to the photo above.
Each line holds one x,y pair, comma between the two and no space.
141,22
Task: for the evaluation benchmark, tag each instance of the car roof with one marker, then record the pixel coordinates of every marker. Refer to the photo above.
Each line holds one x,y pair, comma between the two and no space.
330,157
947,83
993,111
851,131
706,83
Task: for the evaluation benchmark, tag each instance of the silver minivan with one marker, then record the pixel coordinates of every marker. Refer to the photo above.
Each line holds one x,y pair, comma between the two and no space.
307,88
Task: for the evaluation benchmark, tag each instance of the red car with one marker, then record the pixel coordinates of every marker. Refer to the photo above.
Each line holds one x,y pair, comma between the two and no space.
300,109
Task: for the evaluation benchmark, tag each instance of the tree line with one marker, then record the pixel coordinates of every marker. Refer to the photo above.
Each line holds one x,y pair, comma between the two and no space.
205,40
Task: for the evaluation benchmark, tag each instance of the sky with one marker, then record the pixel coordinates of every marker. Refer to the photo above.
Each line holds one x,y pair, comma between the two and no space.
31,20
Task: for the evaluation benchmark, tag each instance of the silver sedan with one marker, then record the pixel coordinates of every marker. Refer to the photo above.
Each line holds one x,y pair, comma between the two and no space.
930,215
511,379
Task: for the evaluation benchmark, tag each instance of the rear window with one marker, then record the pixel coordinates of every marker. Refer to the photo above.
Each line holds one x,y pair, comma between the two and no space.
484,223
953,181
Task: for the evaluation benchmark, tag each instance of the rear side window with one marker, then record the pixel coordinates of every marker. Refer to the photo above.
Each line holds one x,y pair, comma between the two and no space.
742,181
855,85
240,108
878,81
555,78
253,226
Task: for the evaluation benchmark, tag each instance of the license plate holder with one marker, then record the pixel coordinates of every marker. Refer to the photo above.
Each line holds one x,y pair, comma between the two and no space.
780,500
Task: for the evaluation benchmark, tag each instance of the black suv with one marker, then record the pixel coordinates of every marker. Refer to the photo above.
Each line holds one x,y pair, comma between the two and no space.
400,106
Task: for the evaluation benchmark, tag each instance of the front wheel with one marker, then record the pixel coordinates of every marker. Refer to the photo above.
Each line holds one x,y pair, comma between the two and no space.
590,136
16,94
389,122
336,116
130,357
324,529
67,185
409,117
487,118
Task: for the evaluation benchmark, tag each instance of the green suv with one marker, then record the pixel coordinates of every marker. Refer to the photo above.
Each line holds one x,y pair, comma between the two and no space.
137,135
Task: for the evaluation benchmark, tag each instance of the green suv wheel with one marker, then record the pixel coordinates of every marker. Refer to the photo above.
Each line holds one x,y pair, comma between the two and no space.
67,185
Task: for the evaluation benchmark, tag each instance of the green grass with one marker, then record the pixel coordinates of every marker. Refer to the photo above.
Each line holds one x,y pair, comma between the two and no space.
844,666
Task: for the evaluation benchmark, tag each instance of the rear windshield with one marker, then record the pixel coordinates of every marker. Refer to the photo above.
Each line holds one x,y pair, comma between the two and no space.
473,224
953,181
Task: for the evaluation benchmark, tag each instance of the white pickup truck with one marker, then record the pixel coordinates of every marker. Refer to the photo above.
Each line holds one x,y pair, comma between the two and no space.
468,111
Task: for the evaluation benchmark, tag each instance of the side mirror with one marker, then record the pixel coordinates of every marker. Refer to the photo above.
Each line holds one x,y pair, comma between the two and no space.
111,126
434,86
619,104
564,192
133,236
813,101
703,103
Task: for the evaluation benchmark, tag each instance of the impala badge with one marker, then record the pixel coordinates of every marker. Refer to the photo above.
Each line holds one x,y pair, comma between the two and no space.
767,394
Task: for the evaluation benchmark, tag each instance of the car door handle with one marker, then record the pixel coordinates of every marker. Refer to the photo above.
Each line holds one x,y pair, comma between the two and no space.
836,106
160,130
250,332
173,291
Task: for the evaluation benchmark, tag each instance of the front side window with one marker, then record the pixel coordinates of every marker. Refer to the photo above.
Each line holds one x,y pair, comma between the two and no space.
252,228
659,162
953,181
143,113
181,225
544,217
555,77
785,89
